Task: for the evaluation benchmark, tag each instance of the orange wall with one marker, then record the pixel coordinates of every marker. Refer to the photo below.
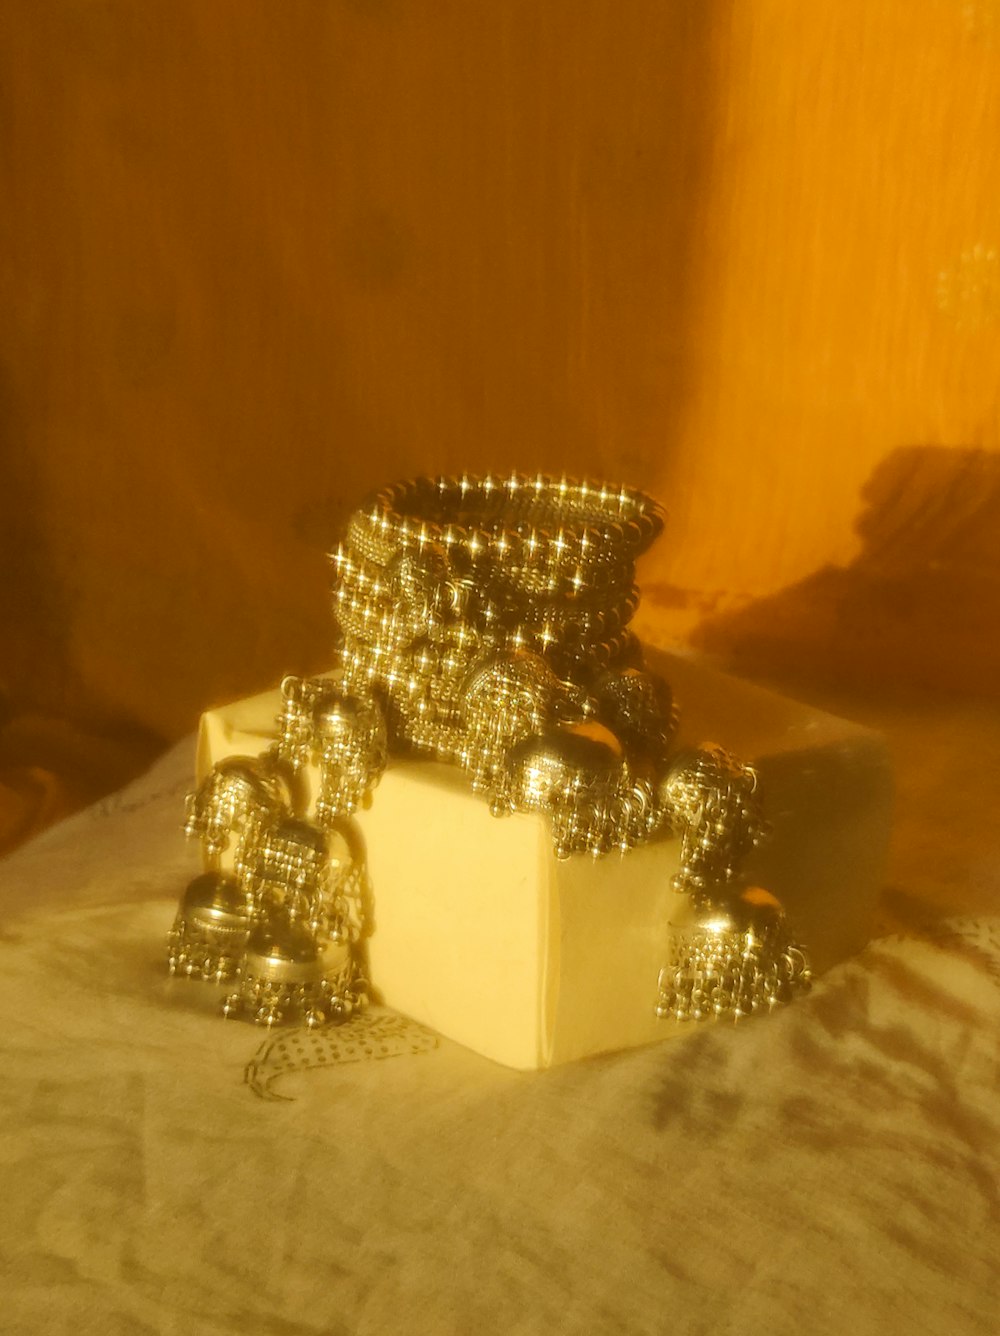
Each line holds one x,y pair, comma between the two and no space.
258,257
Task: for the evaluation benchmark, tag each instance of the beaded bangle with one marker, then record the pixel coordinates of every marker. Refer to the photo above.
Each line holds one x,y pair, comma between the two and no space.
531,525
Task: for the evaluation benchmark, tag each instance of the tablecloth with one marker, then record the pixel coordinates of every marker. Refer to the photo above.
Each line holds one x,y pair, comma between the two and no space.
834,1166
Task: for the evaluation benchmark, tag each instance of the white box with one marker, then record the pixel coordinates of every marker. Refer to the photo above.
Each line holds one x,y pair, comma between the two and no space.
482,934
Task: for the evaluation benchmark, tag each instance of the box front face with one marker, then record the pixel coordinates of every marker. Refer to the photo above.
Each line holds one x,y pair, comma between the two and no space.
461,934
612,921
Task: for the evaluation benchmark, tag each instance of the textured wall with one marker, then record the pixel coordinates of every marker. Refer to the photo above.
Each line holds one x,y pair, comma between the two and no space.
256,258
835,482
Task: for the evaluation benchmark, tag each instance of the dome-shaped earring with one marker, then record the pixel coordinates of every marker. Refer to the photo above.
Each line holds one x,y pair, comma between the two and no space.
730,958
289,975
210,930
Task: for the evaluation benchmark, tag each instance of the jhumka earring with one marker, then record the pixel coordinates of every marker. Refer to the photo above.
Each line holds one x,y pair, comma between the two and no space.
285,926
729,952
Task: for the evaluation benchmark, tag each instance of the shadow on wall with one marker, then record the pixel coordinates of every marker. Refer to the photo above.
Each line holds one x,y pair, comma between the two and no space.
919,606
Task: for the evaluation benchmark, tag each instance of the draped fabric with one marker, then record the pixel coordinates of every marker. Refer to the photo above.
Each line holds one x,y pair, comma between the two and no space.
832,1167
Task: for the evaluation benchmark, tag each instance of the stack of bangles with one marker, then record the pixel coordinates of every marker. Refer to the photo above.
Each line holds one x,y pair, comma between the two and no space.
484,621
491,618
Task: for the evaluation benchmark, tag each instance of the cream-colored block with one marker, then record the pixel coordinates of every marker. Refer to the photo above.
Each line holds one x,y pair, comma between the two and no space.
481,933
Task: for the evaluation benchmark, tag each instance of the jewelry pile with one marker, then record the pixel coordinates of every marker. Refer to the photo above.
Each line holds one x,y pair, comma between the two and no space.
286,924
484,622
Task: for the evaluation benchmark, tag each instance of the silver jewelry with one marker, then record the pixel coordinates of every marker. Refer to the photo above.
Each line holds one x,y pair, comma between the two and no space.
712,800
729,953
210,930
287,925
241,793
484,611
352,750
288,975
484,621
729,960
